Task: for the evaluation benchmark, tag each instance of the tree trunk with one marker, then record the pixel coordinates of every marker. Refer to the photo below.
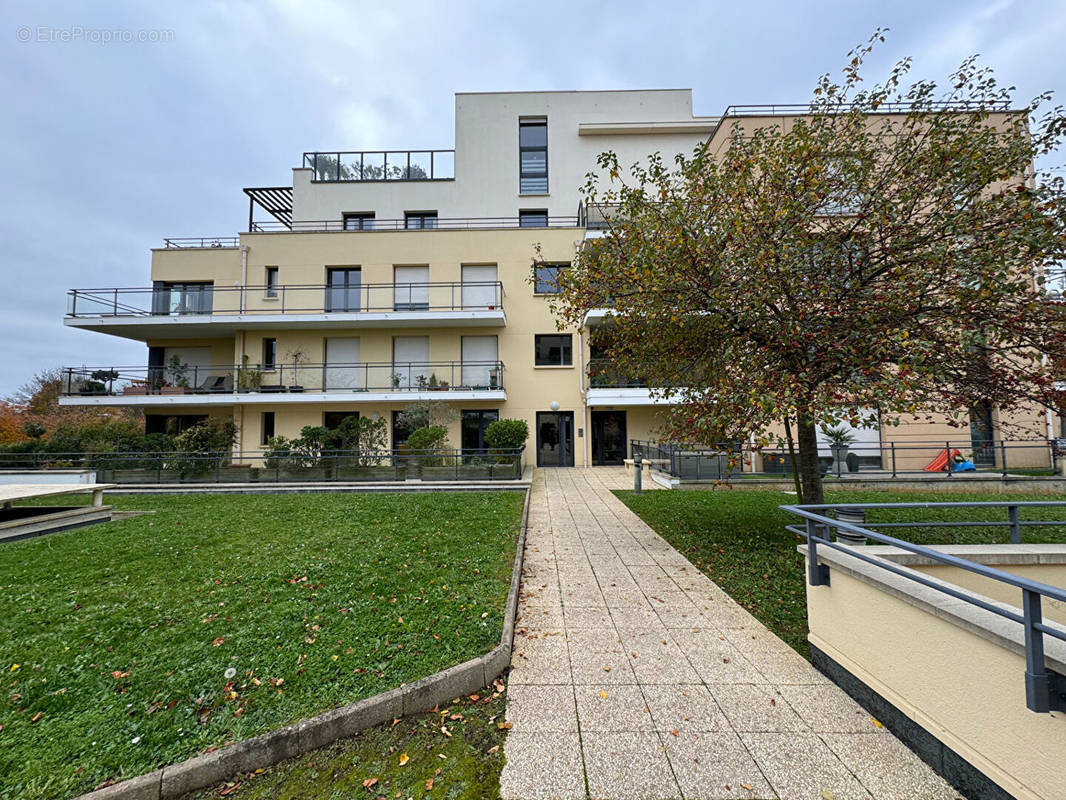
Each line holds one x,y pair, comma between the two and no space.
809,468
792,457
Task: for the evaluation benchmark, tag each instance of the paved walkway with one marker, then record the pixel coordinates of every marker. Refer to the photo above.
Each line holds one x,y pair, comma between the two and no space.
635,676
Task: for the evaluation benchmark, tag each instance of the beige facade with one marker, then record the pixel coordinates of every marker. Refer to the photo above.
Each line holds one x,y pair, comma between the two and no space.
954,669
362,294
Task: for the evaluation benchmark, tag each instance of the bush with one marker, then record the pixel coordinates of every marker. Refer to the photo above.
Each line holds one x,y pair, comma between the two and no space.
215,436
507,434
427,443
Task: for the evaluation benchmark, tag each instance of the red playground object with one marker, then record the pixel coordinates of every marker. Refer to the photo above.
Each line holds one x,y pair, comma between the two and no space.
940,463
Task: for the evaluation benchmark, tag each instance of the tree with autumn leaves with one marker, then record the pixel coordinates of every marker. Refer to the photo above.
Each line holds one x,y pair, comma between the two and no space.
877,254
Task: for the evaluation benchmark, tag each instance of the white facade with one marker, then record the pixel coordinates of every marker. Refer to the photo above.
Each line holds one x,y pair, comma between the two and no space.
581,125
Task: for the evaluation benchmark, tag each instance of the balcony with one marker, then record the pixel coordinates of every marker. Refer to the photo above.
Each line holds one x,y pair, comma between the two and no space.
374,225
194,309
609,386
363,382
381,165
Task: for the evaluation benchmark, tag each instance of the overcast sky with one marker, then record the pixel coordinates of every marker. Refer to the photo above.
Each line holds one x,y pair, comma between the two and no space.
111,147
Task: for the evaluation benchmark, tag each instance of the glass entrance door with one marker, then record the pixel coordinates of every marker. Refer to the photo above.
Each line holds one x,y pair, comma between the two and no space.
608,437
555,438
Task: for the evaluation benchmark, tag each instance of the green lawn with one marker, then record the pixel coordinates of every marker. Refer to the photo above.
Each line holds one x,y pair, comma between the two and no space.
124,634
463,764
738,539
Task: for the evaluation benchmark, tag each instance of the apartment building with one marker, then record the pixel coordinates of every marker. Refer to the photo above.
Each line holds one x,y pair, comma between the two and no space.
382,277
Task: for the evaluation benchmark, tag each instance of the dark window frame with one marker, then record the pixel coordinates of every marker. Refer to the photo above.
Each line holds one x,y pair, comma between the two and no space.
566,351
538,215
346,287
540,122
270,354
271,282
336,418
546,285
484,416
421,217
267,427
365,220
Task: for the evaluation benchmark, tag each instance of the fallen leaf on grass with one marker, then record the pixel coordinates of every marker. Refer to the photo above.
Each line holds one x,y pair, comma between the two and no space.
218,641
504,726
429,785
493,749
403,759
369,783
230,789
118,674
36,717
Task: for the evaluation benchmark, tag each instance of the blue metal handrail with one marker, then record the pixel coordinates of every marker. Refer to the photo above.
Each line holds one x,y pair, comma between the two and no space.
1045,689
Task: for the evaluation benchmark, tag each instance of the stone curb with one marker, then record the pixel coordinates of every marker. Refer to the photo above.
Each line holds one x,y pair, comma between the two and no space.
208,769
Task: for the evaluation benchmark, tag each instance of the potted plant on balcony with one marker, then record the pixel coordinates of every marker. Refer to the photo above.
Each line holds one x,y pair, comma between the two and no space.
298,357
839,439
177,377
250,378
397,378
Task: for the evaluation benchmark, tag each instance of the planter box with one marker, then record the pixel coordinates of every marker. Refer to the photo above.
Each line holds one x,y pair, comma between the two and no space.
174,390
135,390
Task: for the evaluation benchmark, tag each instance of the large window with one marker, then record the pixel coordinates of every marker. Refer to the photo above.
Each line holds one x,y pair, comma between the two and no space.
400,432
342,288
182,298
363,221
267,428
331,420
546,278
270,354
474,424
553,350
171,423
533,218
533,156
417,220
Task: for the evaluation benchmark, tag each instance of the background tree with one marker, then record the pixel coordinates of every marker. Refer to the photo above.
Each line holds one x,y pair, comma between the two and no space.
839,265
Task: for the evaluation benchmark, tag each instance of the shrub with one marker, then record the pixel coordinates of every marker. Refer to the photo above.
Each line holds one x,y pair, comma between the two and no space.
213,436
427,443
507,434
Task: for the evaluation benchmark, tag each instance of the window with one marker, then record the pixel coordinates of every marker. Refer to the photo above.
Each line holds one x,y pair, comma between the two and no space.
171,423
533,218
266,429
271,282
332,420
270,354
533,156
474,424
400,432
342,288
553,350
545,278
417,220
182,298
363,221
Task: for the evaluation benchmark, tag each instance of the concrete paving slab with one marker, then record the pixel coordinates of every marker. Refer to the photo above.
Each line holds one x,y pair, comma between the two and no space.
628,766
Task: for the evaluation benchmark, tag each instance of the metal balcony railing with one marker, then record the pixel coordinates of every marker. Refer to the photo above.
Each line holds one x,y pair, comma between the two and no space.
1045,690
603,374
381,165
195,242
192,299
282,466
279,378
368,225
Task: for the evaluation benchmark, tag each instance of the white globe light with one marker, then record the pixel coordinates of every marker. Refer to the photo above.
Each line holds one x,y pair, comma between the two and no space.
554,405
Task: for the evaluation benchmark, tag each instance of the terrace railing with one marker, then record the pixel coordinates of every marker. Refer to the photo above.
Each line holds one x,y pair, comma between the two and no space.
421,224
280,466
192,300
279,378
1045,690
911,459
381,165
194,242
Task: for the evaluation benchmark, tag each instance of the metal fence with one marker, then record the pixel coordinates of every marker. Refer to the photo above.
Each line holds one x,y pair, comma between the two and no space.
1045,690
927,459
295,466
